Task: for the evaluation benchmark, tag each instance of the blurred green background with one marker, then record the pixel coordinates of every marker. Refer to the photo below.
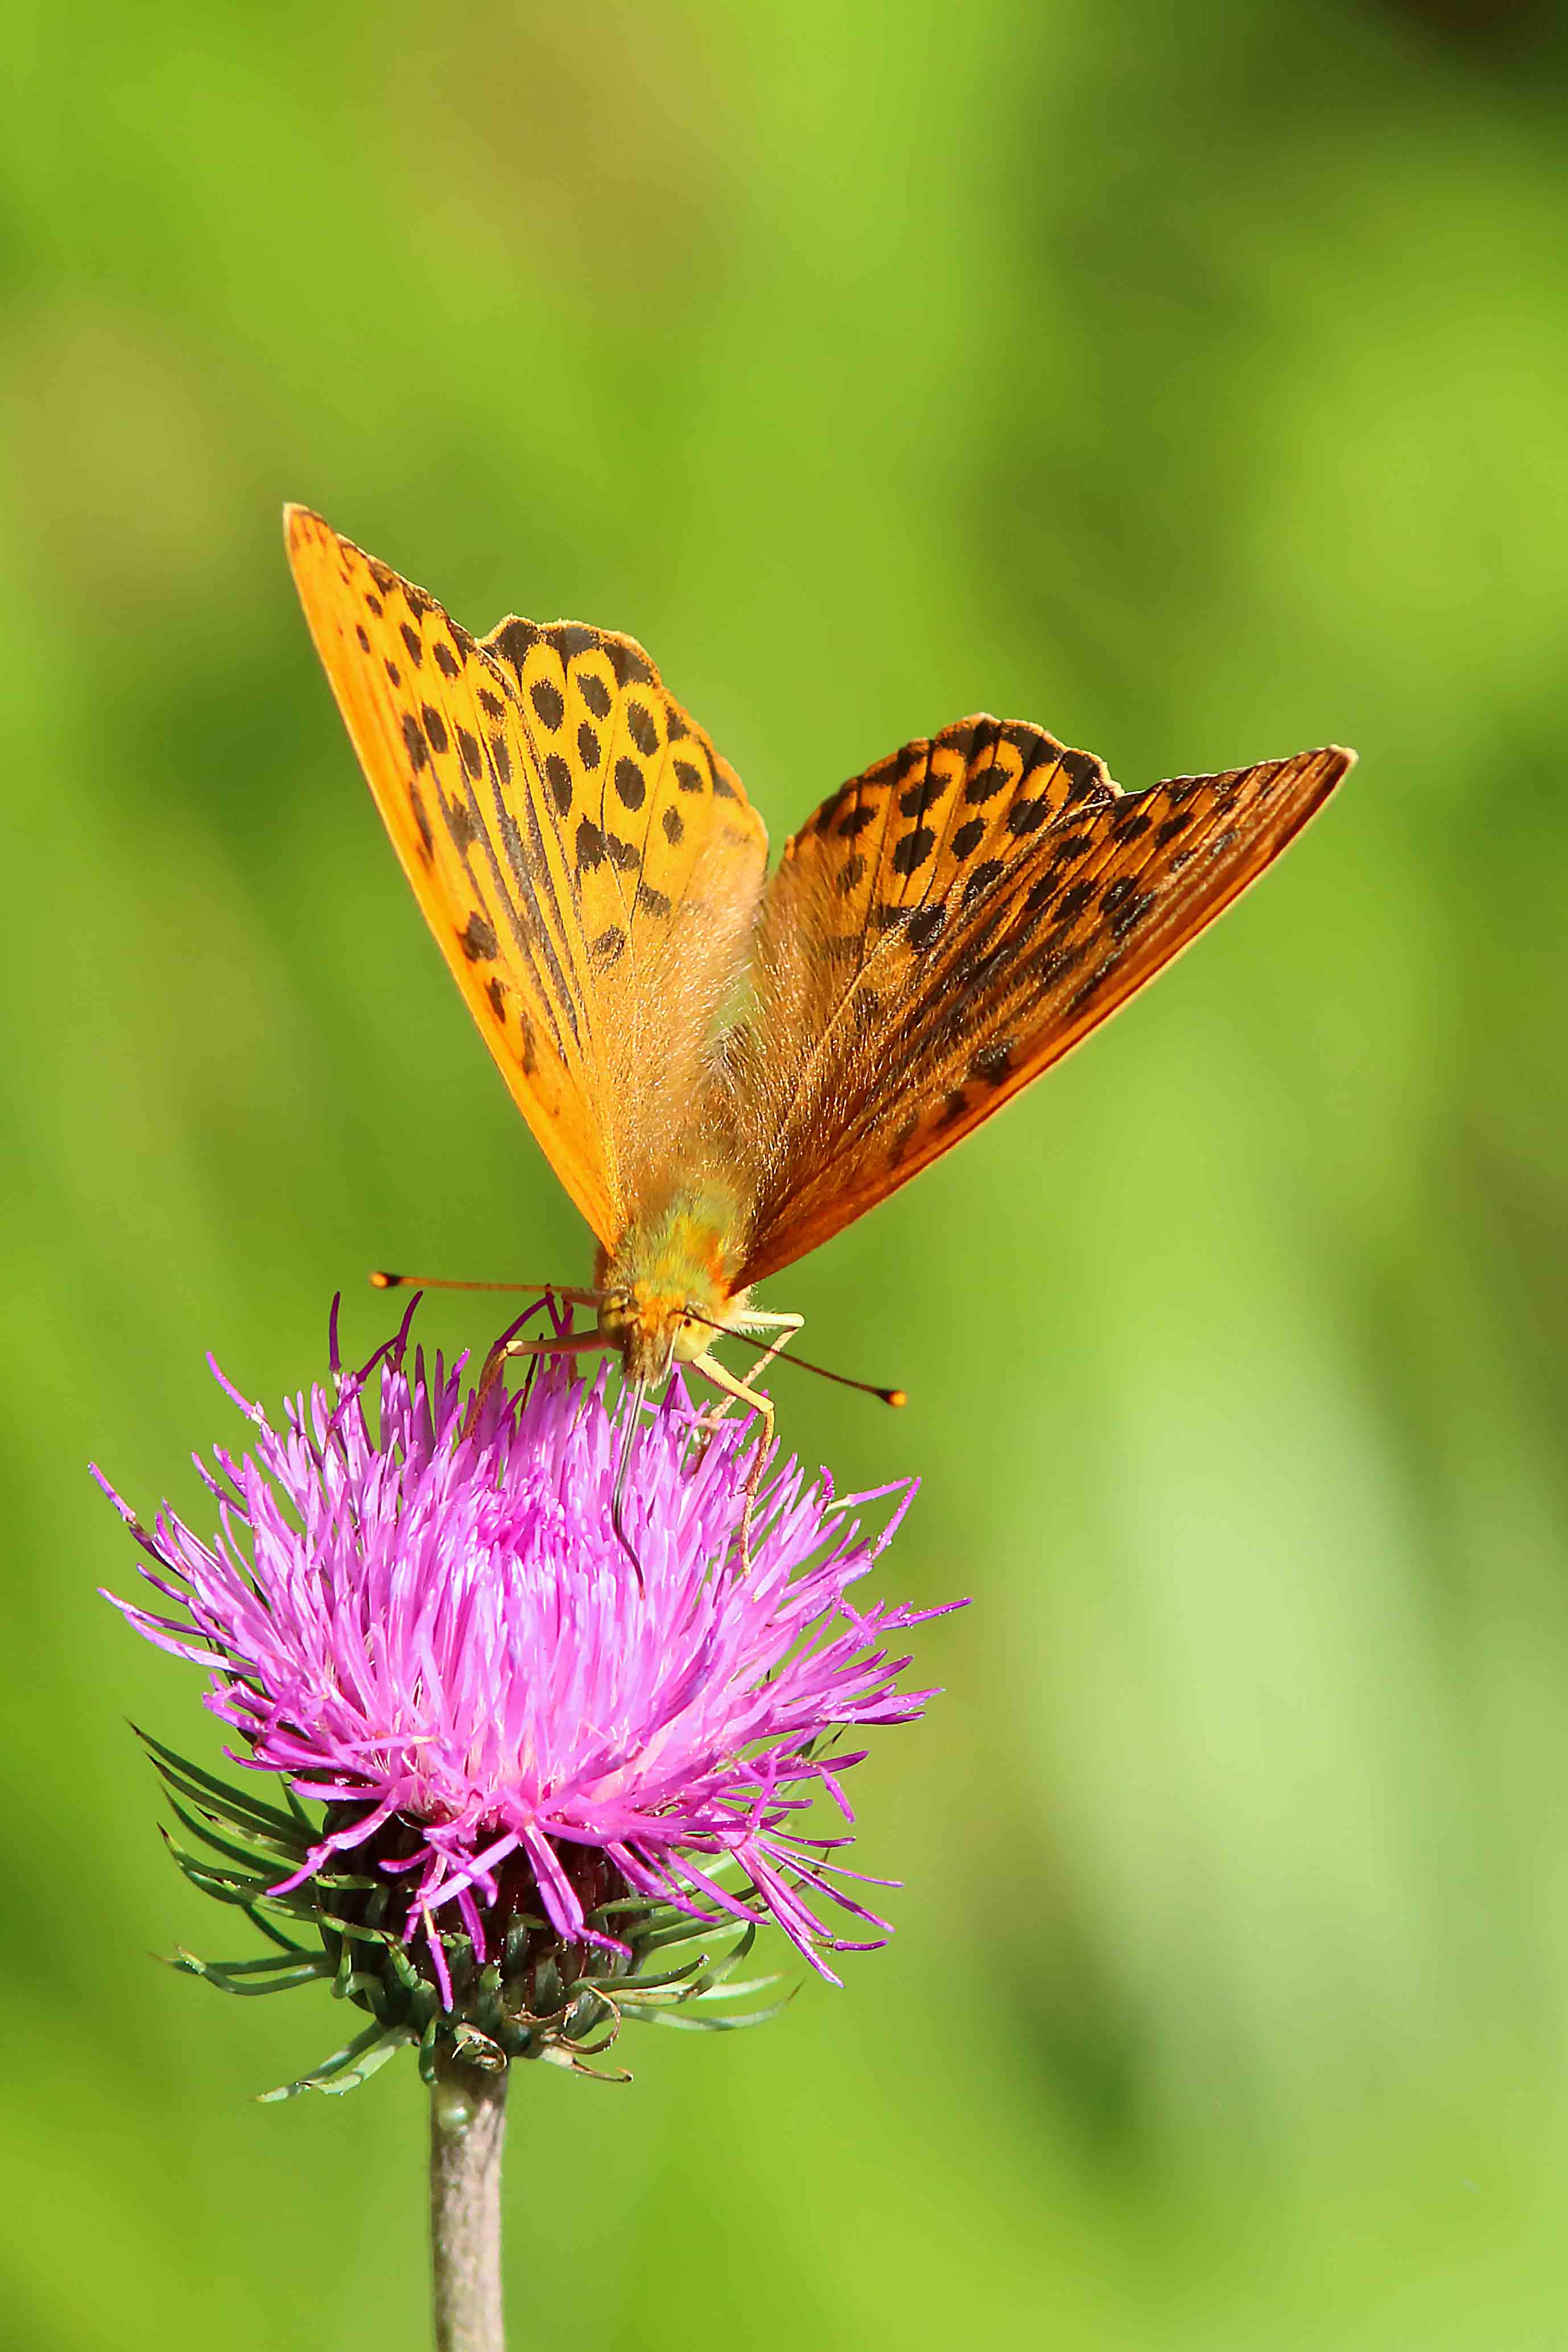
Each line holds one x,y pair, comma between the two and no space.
1194,380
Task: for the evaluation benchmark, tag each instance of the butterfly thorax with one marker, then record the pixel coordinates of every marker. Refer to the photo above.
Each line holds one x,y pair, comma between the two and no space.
670,1279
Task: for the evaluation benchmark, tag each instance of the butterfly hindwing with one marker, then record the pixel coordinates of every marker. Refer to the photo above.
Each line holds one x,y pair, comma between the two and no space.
952,922
528,781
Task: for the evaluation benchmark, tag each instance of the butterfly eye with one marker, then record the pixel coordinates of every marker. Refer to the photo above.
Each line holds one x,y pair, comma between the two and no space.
615,1312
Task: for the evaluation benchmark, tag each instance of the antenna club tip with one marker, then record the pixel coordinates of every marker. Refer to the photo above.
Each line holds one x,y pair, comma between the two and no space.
895,1396
380,1280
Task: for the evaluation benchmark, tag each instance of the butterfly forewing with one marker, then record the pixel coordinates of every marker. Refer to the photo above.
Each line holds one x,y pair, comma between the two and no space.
588,864
952,922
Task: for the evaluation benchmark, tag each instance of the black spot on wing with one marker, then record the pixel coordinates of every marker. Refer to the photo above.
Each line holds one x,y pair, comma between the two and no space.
926,927
630,664
917,798
571,640
462,824
413,739
558,776
590,846
513,641
1086,774
1071,904
1067,848
915,850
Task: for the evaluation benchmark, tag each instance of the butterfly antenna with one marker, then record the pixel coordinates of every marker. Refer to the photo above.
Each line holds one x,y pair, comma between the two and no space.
802,1363
639,1390
382,1280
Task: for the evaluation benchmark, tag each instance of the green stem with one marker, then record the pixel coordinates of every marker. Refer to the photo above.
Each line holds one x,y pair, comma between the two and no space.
468,2121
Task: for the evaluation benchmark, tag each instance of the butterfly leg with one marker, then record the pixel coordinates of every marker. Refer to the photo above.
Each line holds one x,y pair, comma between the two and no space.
570,1343
786,1327
755,1400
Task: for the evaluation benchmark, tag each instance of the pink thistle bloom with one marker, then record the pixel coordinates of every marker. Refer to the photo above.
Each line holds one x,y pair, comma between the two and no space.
422,1617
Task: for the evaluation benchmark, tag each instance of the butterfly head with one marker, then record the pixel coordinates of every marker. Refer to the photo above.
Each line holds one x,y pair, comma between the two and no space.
650,1326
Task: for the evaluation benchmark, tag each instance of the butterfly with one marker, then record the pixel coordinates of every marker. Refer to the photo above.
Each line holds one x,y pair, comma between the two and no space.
725,1070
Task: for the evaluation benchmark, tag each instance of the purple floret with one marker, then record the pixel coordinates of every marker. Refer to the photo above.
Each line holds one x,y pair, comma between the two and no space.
423,1614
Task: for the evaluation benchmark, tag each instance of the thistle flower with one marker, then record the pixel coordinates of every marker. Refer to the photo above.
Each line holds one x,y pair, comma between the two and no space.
545,1759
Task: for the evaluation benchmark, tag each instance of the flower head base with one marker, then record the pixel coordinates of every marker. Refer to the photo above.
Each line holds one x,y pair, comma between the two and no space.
544,1760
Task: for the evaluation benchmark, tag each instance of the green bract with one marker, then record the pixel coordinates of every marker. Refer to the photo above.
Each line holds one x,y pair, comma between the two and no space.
541,1998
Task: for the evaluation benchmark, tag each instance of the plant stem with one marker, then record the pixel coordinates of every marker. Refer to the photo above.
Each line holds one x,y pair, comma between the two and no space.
468,2121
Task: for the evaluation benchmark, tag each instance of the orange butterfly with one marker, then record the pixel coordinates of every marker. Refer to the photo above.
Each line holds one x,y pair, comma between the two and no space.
724,1073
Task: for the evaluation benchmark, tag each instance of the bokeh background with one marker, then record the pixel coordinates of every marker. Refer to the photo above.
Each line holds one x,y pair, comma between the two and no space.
1193,379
